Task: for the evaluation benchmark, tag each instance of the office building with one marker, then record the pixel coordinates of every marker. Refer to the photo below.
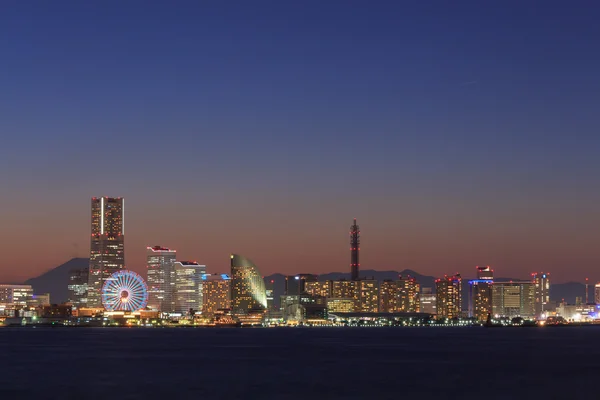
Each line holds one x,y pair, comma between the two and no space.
340,305
270,291
248,291
427,301
78,287
188,286
449,296
319,289
514,299
368,295
343,289
408,295
216,292
597,293
542,292
160,278
107,248
296,284
38,300
480,294
388,296
14,297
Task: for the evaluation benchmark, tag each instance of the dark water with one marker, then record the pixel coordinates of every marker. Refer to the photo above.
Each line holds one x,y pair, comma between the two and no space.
288,363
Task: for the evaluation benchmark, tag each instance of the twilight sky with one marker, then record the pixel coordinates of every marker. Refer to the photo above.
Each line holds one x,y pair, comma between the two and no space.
458,134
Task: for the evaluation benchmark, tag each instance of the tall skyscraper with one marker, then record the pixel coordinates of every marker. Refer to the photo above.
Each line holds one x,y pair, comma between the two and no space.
216,293
160,277
427,301
368,291
188,286
480,294
542,292
408,294
319,289
513,299
354,250
449,296
296,284
248,292
78,287
388,296
107,249
597,293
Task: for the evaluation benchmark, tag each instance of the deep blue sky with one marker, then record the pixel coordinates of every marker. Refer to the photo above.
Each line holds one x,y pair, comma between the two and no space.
458,134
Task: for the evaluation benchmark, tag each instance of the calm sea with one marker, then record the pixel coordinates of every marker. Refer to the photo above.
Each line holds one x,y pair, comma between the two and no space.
297,363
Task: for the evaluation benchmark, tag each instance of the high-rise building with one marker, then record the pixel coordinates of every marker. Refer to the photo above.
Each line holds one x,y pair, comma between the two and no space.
542,292
597,293
427,301
296,284
388,296
408,295
319,289
161,278
107,249
270,291
354,250
368,296
449,296
248,291
513,299
344,289
78,287
13,297
340,305
188,286
480,294
216,292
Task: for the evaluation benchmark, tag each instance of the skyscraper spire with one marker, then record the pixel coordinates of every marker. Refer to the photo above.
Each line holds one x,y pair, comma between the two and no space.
354,249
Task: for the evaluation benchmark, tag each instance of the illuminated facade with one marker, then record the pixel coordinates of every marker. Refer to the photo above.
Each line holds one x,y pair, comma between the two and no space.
408,295
107,249
342,305
368,296
189,286
343,289
161,279
13,297
480,294
247,286
296,284
427,301
388,296
542,292
216,293
319,289
449,296
597,293
78,287
513,299
270,291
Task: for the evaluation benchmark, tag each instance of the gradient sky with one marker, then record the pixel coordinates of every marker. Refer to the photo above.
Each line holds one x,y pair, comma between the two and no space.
458,134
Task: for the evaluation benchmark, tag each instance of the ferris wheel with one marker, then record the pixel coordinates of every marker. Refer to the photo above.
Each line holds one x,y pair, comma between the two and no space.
124,291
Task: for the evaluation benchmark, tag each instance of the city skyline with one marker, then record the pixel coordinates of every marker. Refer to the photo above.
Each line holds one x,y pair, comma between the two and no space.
457,134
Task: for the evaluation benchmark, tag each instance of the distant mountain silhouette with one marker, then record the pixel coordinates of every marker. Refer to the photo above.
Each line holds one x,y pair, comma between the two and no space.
56,280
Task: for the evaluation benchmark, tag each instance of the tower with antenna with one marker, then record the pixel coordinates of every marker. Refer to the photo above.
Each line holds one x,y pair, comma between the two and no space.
354,249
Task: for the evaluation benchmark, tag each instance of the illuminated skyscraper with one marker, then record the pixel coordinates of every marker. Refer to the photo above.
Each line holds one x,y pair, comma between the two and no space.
368,295
161,278
78,287
319,289
427,301
188,286
542,292
107,250
513,299
217,293
449,296
270,291
597,293
408,294
349,290
248,291
354,250
480,294
388,296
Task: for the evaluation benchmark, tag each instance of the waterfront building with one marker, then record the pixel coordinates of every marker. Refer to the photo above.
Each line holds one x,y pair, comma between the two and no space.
597,293
270,291
368,295
319,289
408,295
78,287
427,301
14,297
388,296
161,278
354,251
340,305
216,292
344,289
480,294
188,286
514,299
296,284
542,292
38,300
247,286
107,247
449,296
